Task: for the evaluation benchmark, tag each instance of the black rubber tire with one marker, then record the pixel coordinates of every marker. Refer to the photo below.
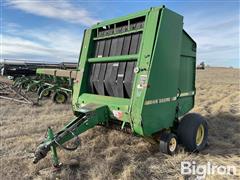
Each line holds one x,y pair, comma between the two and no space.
25,85
164,144
187,131
40,89
62,94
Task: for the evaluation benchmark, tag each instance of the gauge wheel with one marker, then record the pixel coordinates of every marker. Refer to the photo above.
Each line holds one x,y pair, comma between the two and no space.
46,93
60,97
168,143
24,85
34,88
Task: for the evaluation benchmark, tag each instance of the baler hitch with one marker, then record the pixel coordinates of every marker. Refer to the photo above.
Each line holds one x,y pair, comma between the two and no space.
93,115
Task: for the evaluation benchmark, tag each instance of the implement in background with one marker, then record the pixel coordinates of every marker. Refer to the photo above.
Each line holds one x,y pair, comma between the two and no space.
18,68
28,76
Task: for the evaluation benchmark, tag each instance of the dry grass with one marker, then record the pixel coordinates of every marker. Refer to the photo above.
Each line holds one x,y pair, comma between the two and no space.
109,154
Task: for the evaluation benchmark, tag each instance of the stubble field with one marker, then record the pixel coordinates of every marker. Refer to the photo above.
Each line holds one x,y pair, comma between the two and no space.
110,154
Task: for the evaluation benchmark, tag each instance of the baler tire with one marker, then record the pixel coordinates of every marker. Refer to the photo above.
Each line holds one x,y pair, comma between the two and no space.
168,143
40,89
190,127
56,96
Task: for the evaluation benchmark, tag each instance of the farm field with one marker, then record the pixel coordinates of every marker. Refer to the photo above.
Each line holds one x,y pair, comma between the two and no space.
111,154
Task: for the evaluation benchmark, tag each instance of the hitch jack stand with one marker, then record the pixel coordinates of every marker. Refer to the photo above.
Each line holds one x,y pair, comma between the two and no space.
54,155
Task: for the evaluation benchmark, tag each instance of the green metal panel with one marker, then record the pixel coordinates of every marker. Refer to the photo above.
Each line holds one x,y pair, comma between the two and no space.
114,58
163,75
186,79
120,103
187,73
113,103
80,85
188,45
143,64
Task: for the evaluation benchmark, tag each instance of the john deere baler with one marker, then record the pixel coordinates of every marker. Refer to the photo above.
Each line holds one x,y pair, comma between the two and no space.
136,72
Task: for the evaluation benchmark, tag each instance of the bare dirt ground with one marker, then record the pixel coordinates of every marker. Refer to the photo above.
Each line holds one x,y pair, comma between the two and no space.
110,154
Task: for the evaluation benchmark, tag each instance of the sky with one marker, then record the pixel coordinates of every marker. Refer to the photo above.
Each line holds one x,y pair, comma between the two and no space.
53,30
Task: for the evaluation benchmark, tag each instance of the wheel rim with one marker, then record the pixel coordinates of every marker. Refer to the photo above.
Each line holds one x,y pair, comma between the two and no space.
172,144
34,88
200,135
46,93
60,98
24,86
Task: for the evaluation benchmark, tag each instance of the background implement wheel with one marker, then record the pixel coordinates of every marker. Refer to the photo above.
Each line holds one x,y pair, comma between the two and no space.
168,143
60,97
46,93
193,132
24,85
34,88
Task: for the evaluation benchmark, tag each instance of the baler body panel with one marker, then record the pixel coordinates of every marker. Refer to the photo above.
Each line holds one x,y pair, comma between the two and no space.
163,74
138,66
186,80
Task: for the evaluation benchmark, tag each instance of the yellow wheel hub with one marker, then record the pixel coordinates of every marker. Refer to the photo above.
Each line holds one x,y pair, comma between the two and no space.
34,88
200,135
45,93
172,144
60,98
